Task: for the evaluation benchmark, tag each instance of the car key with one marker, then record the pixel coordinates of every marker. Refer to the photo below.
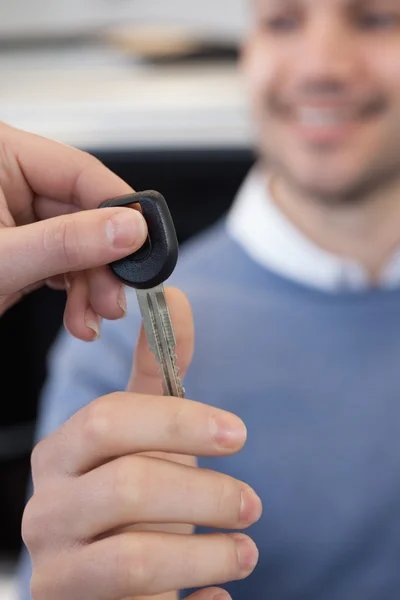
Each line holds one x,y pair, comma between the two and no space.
146,270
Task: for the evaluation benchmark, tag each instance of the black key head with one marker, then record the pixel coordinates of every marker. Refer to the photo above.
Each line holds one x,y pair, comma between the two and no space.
156,260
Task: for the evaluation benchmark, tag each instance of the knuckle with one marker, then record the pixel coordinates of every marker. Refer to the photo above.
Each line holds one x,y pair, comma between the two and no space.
61,237
49,456
128,482
177,425
47,521
65,238
87,163
29,531
134,565
7,162
33,527
39,459
97,426
139,567
226,495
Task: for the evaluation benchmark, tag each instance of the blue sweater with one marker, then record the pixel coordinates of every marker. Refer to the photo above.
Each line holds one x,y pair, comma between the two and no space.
316,378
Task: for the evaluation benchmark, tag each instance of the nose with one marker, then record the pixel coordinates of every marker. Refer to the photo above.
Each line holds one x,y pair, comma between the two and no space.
327,52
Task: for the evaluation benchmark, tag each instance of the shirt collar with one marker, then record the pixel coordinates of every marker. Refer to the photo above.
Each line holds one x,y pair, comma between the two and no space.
267,235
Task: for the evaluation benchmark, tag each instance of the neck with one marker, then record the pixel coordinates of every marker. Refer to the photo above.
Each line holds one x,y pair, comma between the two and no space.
367,230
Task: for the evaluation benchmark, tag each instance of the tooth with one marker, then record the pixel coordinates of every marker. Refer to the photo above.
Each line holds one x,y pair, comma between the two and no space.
316,117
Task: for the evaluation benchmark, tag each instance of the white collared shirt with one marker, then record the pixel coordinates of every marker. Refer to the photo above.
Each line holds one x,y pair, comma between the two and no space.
267,235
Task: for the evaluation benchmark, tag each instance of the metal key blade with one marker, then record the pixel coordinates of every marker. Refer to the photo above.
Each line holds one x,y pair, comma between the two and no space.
160,336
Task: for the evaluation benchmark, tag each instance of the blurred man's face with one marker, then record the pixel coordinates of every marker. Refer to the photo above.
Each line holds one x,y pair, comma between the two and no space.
324,79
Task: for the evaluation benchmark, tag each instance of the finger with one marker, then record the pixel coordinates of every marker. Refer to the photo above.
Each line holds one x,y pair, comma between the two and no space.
126,492
144,564
15,194
54,170
210,594
106,294
122,424
56,283
80,320
145,377
95,295
204,594
47,208
69,243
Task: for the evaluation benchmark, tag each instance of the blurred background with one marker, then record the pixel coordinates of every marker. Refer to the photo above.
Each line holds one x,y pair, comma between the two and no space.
152,88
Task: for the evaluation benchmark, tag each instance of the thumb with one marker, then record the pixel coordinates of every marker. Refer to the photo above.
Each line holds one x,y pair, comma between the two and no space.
146,377
73,242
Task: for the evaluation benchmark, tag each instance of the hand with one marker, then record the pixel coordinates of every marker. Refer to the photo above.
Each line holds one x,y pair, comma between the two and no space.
46,229
95,492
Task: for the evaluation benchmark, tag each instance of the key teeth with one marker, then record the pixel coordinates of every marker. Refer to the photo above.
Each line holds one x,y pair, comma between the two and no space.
155,311
169,333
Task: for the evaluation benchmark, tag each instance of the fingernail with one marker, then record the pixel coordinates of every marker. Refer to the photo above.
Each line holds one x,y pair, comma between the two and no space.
222,596
228,431
122,301
67,283
126,229
247,553
250,507
92,322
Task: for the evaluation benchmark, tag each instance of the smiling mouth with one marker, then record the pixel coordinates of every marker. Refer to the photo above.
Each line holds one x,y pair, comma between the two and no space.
332,116
308,116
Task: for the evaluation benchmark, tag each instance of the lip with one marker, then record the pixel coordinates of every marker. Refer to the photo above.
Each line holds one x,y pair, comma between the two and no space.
327,134
324,124
329,104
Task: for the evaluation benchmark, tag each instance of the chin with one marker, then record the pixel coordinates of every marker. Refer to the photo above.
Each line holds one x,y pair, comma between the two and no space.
334,175
330,193
311,172
335,170
328,183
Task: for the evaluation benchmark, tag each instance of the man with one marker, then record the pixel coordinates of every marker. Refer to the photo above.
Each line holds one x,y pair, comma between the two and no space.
296,302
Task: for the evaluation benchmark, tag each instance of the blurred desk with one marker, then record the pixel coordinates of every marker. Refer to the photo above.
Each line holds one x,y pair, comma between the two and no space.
98,98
